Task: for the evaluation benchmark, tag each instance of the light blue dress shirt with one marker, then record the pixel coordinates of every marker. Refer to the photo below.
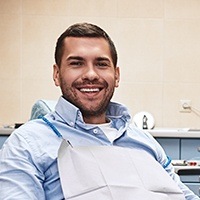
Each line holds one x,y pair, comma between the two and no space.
28,159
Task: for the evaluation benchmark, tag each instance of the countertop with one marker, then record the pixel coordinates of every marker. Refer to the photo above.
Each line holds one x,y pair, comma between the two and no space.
157,132
175,133
6,131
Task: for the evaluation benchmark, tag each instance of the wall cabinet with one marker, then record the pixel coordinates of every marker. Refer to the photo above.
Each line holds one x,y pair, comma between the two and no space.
190,148
181,148
171,147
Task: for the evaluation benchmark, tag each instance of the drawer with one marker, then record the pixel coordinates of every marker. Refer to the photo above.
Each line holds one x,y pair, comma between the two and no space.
190,149
194,187
190,178
171,147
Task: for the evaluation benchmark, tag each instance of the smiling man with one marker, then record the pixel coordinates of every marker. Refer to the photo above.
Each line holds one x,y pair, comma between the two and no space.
87,76
87,148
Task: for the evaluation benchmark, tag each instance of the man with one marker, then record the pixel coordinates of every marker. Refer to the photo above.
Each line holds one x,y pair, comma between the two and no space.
31,159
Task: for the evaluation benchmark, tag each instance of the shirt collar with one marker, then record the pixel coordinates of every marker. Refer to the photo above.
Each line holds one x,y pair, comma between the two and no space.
70,113
67,111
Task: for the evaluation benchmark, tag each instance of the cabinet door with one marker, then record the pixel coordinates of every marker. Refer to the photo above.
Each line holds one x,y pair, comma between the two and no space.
171,147
190,149
2,140
195,187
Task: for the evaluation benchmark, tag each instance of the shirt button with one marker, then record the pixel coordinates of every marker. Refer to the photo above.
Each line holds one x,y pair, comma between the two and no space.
71,123
95,131
53,117
79,116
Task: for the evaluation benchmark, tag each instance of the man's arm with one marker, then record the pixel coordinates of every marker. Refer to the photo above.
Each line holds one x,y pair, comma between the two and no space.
19,177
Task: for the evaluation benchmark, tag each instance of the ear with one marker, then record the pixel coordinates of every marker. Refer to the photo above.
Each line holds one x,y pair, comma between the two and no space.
117,76
56,76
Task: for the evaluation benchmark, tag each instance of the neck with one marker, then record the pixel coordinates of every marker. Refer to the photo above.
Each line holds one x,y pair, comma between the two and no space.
95,119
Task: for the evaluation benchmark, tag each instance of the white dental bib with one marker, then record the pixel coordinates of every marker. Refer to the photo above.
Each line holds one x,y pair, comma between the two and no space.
113,173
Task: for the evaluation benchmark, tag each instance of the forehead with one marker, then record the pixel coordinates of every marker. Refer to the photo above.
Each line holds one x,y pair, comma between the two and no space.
85,46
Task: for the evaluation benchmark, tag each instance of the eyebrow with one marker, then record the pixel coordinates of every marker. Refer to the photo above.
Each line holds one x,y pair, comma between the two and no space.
81,58
75,58
103,59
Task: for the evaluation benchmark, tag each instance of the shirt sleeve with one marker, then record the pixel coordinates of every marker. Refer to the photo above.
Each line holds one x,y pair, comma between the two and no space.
19,176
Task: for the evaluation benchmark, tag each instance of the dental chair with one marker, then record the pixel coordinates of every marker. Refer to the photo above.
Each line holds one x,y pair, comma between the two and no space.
41,108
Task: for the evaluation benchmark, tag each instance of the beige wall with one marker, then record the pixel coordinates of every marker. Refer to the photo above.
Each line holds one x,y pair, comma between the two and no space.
158,43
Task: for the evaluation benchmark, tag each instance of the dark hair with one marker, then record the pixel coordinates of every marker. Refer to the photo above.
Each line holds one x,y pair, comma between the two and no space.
84,30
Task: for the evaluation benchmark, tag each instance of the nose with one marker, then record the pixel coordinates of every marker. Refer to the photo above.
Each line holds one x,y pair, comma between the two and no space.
90,73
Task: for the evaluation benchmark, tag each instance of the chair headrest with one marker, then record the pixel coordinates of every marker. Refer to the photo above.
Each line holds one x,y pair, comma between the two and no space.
42,107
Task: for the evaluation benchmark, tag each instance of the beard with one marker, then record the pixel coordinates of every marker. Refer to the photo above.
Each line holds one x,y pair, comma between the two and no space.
96,110
93,108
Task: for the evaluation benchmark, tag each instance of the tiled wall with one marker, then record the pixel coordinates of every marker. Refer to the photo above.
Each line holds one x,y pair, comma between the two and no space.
158,43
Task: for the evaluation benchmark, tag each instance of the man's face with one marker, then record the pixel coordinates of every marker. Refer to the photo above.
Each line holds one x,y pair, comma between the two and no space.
87,76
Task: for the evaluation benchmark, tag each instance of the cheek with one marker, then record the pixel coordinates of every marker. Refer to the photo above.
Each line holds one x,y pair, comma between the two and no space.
68,77
66,81
112,81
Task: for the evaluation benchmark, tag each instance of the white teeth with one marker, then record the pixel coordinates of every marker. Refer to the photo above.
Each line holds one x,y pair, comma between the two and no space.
89,89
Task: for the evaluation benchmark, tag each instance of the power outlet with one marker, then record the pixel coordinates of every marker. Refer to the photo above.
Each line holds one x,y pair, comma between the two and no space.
185,106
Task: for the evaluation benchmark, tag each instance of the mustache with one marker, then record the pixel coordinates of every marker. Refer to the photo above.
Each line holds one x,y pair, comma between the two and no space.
88,82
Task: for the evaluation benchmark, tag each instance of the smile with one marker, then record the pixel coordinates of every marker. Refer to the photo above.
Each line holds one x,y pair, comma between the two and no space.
90,90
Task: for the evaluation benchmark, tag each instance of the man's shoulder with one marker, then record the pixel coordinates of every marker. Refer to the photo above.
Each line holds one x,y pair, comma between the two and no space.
33,130
117,110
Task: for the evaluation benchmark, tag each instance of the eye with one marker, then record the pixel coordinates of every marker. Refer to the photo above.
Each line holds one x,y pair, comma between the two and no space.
76,63
102,64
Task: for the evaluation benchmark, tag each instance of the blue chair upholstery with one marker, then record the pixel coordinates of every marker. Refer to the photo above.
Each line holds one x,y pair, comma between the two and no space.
41,108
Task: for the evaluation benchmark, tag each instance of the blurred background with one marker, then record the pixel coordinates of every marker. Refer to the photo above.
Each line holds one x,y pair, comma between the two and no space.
158,43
